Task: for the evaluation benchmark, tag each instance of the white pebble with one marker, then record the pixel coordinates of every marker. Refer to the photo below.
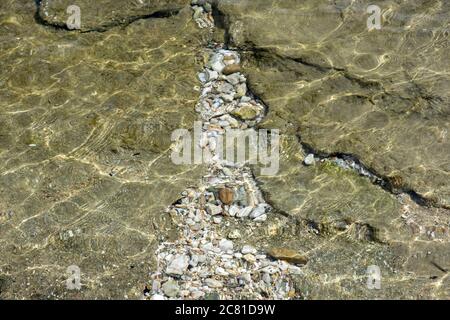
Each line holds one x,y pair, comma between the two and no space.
248,249
261,218
178,265
309,160
221,272
244,212
212,283
226,245
258,211
233,210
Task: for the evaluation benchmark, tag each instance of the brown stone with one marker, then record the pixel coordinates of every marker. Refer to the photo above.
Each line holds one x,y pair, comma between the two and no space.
291,293
288,255
226,195
230,69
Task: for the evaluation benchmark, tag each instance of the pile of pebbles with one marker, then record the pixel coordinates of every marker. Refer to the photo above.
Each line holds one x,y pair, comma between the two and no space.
202,13
202,263
225,101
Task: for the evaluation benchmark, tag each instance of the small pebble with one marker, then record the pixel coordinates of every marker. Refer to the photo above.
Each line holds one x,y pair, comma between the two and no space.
249,258
248,249
309,160
244,212
212,283
225,245
178,265
213,209
260,218
170,288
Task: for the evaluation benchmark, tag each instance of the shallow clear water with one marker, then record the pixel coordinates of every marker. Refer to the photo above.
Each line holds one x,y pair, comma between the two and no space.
86,118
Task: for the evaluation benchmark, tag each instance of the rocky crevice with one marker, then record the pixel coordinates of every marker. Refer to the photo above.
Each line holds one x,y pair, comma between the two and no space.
347,161
122,23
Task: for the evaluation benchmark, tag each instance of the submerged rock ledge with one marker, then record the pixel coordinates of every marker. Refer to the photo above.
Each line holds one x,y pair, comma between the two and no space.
327,87
86,177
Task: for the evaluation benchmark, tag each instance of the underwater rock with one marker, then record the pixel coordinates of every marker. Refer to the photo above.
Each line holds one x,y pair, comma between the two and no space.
288,255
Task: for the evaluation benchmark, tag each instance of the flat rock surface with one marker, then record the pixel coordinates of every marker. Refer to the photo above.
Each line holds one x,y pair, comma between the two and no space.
86,119
381,95
342,223
102,14
85,168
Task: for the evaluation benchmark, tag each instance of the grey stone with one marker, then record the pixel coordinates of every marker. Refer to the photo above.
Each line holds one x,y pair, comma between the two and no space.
178,265
212,283
244,212
171,288
212,75
225,87
233,210
258,211
203,77
197,294
234,79
261,218
213,209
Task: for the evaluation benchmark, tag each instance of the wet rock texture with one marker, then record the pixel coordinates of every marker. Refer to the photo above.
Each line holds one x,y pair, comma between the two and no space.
344,223
85,169
380,95
86,178
103,14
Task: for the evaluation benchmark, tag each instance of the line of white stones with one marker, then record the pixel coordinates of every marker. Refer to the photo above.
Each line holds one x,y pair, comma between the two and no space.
202,263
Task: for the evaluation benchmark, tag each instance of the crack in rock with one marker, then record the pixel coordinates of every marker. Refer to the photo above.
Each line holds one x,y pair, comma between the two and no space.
123,22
